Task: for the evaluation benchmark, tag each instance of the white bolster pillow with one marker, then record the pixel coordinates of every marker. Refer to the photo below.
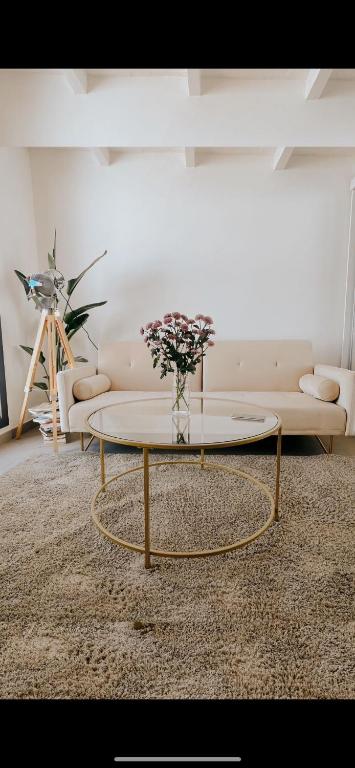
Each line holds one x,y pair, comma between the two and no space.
84,389
319,387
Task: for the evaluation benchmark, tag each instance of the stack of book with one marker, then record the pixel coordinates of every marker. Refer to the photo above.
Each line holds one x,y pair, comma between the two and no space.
42,415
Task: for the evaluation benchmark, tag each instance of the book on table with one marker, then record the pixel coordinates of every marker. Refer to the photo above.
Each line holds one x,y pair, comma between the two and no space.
248,417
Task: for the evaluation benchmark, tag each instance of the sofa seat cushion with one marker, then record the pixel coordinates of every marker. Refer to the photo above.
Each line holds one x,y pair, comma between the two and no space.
79,412
300,413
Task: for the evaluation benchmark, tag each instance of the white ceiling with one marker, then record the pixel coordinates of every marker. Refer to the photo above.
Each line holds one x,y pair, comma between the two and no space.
262,112
280,73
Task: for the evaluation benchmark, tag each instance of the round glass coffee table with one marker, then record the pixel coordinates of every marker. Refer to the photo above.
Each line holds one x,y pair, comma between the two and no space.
212,423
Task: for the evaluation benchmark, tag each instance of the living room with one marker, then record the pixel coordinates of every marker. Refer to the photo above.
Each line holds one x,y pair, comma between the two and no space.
216,208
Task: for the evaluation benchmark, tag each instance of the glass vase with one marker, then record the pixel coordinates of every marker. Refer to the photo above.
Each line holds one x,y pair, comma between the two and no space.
181,428
181,393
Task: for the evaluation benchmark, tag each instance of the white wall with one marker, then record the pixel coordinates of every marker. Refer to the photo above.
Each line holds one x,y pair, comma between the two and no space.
17,251
263,252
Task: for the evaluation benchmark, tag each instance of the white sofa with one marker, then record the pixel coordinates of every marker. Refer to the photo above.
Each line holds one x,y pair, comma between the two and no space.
264,373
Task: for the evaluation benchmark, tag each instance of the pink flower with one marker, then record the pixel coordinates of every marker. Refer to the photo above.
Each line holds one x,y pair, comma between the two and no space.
176,315
184,327
184,317
212,332
210,343
208,320
157,324
149,325
199,317
141,331
167,318
191,321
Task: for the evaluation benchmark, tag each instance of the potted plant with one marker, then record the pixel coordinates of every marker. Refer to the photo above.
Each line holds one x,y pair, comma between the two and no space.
74,320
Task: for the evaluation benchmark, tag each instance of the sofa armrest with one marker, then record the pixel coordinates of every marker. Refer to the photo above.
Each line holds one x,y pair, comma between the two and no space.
65,381
346,381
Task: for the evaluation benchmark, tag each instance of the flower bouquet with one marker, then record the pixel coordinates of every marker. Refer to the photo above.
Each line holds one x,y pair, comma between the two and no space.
178,344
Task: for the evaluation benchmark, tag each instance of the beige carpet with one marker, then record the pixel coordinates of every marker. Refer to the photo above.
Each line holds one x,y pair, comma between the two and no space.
83,618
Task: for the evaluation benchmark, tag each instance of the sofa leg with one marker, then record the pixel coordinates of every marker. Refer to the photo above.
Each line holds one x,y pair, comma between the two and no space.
327,449
89,443
84,447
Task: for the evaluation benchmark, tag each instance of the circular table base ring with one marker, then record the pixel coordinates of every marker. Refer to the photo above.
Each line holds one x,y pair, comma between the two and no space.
195,552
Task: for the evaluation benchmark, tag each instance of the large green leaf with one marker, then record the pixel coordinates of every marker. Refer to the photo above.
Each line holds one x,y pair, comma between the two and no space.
70,316
51,256
24,282
22,279
75,325
29,351
76,322
40,384
51,261
75,280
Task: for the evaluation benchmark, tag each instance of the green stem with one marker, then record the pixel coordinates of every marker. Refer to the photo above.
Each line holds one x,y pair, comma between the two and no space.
46,372
180,400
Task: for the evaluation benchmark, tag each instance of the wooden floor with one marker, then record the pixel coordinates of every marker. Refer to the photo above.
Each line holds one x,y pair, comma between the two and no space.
14,452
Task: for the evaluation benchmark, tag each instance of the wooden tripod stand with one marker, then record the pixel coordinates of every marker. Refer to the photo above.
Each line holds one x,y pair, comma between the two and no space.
50,323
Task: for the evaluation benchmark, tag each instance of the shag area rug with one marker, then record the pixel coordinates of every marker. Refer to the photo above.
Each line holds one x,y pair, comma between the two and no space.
82,618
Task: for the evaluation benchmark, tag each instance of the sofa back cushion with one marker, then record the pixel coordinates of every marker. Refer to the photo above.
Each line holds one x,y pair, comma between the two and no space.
129,366
259,366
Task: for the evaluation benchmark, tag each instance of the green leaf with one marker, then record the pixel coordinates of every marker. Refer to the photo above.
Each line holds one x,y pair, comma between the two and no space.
40,384
29,351
76,323
23,280
69,316
51,261
74,282
80,359
75,326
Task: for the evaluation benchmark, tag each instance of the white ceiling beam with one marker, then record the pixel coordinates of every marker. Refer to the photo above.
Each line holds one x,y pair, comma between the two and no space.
281,158
316,81
194,82
77,79
101,155
190,157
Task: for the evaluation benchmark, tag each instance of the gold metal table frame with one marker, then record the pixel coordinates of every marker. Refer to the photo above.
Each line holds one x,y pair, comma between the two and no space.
200,463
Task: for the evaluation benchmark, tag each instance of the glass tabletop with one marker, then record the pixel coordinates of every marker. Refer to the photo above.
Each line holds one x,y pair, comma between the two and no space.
150,423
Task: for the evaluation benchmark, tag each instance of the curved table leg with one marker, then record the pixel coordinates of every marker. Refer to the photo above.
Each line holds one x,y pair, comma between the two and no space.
278,462
147,562
102,462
